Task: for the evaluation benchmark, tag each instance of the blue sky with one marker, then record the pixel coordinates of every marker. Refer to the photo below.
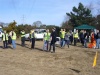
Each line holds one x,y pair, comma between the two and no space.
50,12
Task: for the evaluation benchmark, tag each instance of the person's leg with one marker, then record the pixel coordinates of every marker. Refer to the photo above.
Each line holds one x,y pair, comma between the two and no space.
3,44
24,41
54,47
6,44
33,43
68,43
61,42
99,44
14,44
50,47
47,45
74,41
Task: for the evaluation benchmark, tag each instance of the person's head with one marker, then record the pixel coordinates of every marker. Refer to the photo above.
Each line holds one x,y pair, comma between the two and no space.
53,29
32,30
97,31
64,29
61,29
76,30
84,31
4,31
47,30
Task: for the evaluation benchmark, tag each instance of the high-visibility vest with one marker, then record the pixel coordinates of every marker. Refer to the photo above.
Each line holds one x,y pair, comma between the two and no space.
32,35
63,34
22,34
46,36
5,37
75,35
14,36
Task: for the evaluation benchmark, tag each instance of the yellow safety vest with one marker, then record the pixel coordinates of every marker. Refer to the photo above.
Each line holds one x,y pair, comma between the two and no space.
63,34
5,38
22,34
32,35
47,36
14,36
75,35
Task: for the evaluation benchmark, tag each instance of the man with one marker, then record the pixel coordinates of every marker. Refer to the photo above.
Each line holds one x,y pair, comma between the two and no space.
98,40
14,39
5,39
67,40
62,35
32,35
81,35
75,37
46,40
23,38
53,40
85,38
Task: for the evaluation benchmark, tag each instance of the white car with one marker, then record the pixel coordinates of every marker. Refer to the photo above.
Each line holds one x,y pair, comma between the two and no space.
1,32
39,34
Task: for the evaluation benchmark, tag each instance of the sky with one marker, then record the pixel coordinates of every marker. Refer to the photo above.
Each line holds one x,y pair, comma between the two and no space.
49,12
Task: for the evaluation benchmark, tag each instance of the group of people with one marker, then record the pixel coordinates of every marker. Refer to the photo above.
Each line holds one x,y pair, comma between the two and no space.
51,38
8,39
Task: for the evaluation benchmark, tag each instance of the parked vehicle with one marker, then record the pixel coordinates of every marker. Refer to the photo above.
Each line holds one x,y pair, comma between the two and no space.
1,32
39,33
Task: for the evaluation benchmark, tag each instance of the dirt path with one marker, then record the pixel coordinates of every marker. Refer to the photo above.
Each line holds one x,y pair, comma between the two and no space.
24,61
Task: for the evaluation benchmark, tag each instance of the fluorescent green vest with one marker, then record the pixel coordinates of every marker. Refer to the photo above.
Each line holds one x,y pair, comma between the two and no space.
22,34
14,36
75,35
47,36
63,34
32,35
5,37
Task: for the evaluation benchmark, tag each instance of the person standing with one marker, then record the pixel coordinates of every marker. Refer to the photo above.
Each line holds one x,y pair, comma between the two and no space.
53,40
5,40
32,35
62,35
81,35
93,41
46,40
85,38
98,40
75,37
23,38
14,39
9,38
67,40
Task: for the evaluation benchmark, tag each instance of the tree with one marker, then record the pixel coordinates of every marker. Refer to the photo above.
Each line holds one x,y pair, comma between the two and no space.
80,15
11,26
37,24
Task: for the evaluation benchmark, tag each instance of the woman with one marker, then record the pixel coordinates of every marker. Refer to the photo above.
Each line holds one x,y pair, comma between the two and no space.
93,41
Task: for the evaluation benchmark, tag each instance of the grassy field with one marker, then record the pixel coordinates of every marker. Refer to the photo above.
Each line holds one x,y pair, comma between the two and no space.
66,61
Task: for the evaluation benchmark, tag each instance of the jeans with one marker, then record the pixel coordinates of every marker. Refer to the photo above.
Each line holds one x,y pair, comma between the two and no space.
14,44
85,43
62,43
46,43
98,43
